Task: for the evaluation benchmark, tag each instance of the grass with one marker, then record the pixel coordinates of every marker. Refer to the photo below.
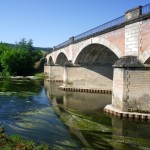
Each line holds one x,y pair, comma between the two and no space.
16,143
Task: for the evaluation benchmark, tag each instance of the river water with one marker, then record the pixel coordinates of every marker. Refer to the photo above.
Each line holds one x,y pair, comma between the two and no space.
37,110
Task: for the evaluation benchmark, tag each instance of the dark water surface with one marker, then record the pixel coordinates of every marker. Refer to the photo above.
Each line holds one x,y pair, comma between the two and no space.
39,111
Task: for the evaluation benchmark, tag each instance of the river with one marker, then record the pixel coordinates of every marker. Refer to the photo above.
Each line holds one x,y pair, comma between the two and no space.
37,110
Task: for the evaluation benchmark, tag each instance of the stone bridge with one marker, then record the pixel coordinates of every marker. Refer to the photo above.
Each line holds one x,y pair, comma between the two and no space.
113,57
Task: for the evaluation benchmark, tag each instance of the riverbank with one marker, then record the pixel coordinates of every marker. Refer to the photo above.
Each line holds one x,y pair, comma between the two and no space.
34,77
15,142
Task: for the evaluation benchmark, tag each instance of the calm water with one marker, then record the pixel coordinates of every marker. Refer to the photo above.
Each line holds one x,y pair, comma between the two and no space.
38,111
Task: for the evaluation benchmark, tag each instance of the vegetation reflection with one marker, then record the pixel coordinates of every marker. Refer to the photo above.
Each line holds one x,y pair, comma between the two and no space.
20,87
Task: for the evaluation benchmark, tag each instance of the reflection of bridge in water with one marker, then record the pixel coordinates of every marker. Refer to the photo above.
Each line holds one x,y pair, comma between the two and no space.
85,61
113,128
84,102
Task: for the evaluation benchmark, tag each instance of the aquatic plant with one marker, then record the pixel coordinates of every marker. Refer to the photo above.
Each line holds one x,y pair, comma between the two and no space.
97,133
15,142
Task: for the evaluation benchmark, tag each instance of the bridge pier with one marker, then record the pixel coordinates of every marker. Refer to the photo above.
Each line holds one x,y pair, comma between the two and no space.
131,86
89,78
54,73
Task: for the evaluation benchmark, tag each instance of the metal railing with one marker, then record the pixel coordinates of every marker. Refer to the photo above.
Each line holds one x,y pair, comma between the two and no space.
101,28
63,44
146,9
94,31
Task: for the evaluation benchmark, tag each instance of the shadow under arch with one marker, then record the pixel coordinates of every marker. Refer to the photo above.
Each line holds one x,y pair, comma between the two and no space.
46,61
50,60
61,59
97,58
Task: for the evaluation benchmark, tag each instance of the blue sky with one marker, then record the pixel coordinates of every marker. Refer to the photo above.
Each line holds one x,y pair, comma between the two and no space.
51,22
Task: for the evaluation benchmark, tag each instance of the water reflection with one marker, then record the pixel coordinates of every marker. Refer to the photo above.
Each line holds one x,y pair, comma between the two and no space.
130,128
83,102
26,110
82,113
39,111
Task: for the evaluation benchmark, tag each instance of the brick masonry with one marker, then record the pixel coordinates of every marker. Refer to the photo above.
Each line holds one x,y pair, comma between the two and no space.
131,89
145,35
132,39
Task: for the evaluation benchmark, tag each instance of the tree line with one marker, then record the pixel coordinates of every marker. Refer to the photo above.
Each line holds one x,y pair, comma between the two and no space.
20,59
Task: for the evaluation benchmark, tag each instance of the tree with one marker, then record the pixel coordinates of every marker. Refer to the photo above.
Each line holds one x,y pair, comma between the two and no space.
3,47
19,59
26,45
18,62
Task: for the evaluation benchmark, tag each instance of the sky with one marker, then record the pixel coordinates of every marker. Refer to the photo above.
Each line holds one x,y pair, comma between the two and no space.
51,22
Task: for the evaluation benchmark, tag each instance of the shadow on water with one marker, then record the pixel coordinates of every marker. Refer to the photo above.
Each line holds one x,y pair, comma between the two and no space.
83,114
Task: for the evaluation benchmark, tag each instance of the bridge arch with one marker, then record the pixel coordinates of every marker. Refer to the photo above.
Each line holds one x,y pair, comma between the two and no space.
97,58
46,61
61,59
50,60
99,41
95,54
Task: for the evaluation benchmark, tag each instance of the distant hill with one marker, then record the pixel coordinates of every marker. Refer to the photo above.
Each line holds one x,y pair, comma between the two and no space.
46,49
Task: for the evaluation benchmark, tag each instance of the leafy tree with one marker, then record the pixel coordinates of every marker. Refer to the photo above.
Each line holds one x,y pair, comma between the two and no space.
26,45
19,59
18,62
3,48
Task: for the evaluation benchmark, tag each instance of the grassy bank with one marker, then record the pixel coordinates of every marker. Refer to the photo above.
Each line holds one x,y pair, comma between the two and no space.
16,143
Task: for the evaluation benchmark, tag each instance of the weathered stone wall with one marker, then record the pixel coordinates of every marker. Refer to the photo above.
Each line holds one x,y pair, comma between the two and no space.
131,89
138,87
96,77
46,70
118,88
54,72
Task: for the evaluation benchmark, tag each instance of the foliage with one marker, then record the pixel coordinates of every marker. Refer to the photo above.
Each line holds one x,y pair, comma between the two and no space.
5,74
3,47
18,62
19,59
39,65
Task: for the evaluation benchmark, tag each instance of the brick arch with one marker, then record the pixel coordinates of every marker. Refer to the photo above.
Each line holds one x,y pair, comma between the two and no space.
58,53
145,55
100,41
50,60
48,57
62,58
